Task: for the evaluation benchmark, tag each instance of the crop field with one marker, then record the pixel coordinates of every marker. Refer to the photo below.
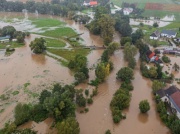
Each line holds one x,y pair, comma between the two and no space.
140,3
164,7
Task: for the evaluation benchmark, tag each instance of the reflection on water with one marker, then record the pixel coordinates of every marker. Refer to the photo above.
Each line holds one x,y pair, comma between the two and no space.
143,117
24,67
39,59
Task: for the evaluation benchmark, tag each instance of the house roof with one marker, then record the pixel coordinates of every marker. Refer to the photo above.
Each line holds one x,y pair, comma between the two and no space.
93,3
172,89
151,55
6,37
175,99
169,32
157,58
155,34
161,93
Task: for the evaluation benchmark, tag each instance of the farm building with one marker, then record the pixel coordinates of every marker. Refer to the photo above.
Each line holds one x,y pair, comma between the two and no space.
171,95
90,3
127,11
155,35
4,39
168,33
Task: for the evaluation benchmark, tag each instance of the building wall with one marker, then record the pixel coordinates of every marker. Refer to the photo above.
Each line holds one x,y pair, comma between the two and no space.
153,38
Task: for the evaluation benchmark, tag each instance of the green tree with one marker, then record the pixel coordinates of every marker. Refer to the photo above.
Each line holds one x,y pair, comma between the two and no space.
155,24
129,51
9,128
124,40
152,72
157,85
132,63
108,132
144,106
166,59
68,126
22,113
121,99
125,29
175,126
102,71
125,74
43,96
112,47
8,30
38,45
80,77
106,23
80,99
176,67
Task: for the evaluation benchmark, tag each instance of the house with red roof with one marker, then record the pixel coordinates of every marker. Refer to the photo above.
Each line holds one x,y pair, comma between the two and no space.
90,3
172,96
152,57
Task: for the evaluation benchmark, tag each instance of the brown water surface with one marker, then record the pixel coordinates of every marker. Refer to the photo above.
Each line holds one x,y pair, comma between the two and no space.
23,66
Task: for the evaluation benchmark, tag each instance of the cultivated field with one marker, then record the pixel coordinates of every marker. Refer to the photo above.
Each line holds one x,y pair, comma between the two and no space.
143,2
164,7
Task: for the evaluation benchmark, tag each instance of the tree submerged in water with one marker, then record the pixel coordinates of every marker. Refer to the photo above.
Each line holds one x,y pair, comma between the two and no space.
38,45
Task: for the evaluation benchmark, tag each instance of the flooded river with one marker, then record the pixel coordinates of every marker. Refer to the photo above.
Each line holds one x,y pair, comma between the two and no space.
41,71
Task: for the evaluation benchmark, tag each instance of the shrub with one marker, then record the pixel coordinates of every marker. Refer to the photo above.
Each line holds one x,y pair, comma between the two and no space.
86,92
108,132
166,59
144,106
89,100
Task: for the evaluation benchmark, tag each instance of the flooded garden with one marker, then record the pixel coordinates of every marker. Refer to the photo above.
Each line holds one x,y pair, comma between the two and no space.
24,75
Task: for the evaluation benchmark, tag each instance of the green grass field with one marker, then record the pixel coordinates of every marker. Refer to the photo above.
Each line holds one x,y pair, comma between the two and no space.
161,14
12,45
59,32
69,54
46,22
54,43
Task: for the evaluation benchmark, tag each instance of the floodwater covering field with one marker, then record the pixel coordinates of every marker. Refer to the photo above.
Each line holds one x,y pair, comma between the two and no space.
30,74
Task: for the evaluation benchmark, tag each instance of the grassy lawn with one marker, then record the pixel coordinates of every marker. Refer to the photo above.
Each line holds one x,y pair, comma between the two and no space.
60,32
12,45
54,43
69,54
46,22
174,25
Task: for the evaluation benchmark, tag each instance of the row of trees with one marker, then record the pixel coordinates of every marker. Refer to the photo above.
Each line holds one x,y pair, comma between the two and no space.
122,96
105,66
79,66
56,7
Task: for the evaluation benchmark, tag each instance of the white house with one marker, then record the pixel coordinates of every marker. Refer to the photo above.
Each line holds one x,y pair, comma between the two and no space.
168,33
127,11
155,35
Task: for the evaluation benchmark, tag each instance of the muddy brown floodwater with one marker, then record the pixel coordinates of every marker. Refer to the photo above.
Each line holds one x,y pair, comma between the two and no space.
23,66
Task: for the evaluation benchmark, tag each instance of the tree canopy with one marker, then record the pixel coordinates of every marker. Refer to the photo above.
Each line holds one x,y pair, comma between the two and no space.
144,106
125,74
38,45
